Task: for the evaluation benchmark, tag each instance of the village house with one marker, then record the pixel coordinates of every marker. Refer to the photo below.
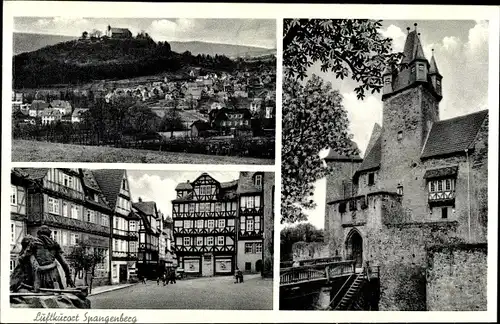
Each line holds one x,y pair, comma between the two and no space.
420,188
219,226
63,200
230,119
50,116
37,108
149,233
78,115
125,224
200,128
63,106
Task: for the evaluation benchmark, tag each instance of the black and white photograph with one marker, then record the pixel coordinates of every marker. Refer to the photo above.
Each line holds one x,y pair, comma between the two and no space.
143,90
384,165
131,239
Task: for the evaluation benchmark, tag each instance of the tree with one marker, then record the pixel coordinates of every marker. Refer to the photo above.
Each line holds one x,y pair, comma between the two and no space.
346,47
304,232
313,119
84,35
95,33
313,116
85,258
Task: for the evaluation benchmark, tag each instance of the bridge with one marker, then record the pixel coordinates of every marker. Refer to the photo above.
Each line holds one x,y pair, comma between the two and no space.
329,284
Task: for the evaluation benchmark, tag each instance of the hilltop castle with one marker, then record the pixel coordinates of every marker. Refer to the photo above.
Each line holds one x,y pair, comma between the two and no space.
416,204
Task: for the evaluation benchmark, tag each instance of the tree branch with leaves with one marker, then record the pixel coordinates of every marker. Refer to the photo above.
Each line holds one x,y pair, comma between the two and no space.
313,116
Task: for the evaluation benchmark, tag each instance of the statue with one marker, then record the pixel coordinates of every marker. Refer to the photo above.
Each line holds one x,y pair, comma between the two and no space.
37,266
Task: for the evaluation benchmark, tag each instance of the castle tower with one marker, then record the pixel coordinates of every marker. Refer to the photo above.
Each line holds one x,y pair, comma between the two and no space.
435,76
410,107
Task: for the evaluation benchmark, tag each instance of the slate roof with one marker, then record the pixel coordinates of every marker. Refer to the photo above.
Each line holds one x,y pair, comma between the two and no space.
433,69
372,158
246,183
89,180
33,173
184,186
453,135
109,180
334,156
441,172
146,207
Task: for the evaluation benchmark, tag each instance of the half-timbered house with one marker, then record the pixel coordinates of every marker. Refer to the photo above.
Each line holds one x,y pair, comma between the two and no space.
18,187
124,235
74,210
149,235
250,221
204,215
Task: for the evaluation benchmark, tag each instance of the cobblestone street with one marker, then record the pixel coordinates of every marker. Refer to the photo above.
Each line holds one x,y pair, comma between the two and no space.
203,293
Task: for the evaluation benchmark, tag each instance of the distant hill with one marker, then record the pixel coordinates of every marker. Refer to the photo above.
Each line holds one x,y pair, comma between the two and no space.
81,61
26,42
228,50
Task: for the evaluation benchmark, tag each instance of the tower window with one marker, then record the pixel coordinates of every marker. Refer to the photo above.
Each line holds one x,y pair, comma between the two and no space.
400,135
371,179
413,69
387,80
400,190
420,67
438,82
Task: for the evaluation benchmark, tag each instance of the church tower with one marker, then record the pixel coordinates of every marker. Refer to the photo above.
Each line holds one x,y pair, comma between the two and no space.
410,106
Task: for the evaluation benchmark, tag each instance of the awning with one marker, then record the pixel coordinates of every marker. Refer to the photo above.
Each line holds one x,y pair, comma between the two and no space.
446,172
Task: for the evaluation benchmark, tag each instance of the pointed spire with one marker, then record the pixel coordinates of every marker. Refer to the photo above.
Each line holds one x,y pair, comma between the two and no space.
413,48
418,52
433,69
387,70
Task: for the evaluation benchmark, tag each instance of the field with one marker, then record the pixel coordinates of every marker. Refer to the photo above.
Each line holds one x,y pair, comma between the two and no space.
33,151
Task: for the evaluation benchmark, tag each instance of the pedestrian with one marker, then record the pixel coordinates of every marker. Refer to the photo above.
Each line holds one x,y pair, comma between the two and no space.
236,275
165,278
240,276
172,277
158,280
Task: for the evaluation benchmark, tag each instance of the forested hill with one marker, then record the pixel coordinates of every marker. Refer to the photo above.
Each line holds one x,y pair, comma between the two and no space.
82,61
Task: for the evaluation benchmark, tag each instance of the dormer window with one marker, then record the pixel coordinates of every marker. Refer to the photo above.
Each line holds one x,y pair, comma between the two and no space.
96,198
442,190
421,67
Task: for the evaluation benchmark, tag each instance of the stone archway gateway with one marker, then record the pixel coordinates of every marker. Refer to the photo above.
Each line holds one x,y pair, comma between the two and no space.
354,247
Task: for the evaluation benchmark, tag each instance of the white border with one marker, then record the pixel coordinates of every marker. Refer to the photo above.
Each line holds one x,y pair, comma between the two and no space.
269,11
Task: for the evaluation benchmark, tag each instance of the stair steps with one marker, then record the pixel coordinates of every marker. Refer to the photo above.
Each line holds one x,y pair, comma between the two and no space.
348,299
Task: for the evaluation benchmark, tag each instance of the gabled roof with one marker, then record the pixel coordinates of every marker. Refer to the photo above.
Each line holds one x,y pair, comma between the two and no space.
246,183
453,135
120,30
229,184
184,186
109,180
372,158
146,207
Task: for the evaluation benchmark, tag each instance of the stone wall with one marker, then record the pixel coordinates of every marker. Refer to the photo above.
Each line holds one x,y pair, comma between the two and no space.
309,250
457,277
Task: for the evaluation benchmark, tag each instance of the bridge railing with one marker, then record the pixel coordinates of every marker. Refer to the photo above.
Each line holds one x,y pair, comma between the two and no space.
320,271
288,264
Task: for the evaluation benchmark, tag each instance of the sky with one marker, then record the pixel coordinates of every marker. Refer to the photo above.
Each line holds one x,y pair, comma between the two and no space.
159,186
461,53
249,32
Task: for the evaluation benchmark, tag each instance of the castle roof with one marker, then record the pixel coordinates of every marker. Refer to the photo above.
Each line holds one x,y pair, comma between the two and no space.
453,135
372,158
433,69
120,30
413,48
335,156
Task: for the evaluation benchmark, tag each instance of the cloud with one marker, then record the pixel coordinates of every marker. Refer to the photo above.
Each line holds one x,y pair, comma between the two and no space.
362,114
397,35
